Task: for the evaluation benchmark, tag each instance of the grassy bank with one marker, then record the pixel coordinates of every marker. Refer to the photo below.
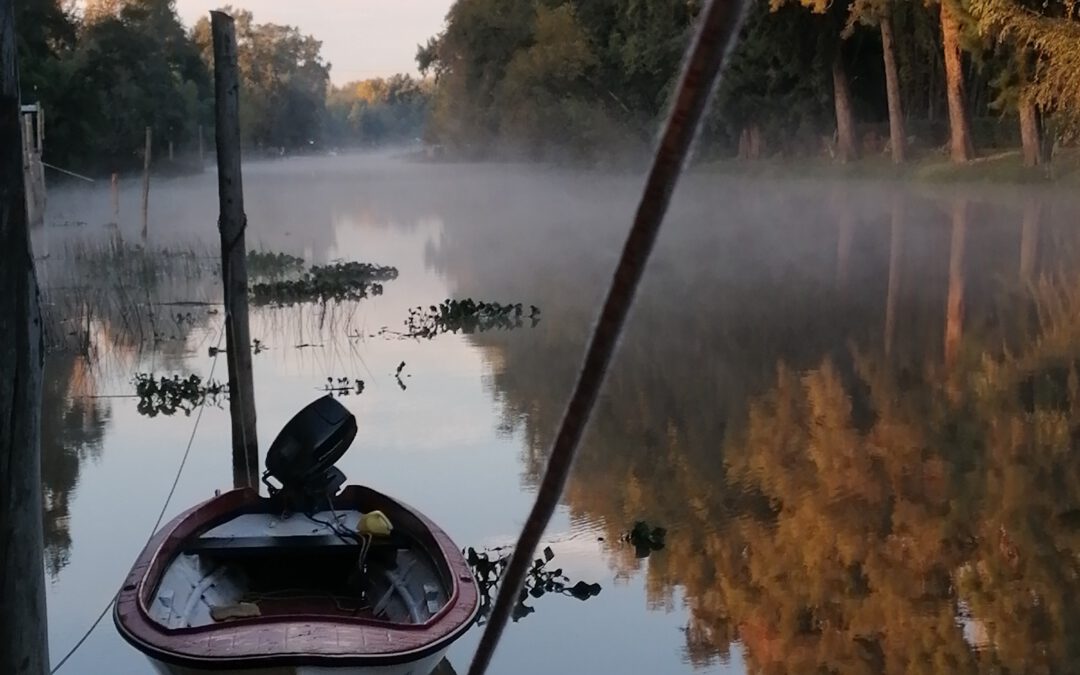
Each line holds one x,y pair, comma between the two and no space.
996,167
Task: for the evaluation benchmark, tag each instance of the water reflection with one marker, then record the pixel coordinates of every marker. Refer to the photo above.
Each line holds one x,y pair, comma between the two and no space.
73,425
842,497
853,407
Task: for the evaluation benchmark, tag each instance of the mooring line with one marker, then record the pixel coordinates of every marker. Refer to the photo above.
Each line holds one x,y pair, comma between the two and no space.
161,515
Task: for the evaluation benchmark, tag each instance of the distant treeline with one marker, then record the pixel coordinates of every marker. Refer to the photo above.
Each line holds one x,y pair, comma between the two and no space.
841,77
573,79
118,66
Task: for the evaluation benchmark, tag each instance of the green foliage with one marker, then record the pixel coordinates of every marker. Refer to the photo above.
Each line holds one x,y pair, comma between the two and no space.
340,281
284,79
488,567
270,265
466,316
169,395
130,64
378,110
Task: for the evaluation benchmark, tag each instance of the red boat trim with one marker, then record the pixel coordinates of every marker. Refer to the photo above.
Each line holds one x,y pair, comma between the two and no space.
309,640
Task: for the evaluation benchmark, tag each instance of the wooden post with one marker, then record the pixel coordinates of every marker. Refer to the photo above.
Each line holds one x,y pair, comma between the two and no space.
231,226
115,186
201,155
23,634
170,151
146,185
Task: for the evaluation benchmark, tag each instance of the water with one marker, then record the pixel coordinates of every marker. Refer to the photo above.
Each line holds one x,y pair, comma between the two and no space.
853,407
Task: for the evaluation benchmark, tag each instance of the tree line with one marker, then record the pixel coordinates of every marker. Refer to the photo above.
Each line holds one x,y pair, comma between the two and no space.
844,77
106,73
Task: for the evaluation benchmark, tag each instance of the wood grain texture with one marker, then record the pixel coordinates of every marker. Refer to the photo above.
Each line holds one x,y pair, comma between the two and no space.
23,634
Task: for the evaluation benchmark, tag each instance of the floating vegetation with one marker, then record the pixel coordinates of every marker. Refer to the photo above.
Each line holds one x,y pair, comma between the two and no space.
344,386
269,265
168,395
340,281
467,316
488,567
645,539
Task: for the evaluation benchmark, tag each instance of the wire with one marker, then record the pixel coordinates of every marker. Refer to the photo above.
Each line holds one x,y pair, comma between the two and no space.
157,523
718,29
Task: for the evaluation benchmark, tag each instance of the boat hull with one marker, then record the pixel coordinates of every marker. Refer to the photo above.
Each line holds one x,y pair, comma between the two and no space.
424,666
301,643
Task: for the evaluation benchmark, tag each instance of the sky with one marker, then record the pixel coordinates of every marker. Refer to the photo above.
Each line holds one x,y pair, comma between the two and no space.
361,38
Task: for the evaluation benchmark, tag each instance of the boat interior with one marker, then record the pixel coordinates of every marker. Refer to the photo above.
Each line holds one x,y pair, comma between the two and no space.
258,565
302,552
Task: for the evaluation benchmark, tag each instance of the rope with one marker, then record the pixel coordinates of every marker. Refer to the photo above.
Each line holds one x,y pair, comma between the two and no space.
157,523
719,25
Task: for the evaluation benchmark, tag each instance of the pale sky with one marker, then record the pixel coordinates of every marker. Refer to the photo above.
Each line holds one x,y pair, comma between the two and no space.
361,38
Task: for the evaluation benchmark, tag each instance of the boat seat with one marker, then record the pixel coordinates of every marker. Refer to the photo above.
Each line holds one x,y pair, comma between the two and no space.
261,544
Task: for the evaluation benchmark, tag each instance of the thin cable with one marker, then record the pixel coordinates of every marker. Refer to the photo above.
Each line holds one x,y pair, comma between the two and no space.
157,523
718,26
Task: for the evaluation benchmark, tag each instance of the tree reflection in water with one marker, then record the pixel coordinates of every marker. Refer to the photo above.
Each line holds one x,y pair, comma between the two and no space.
865,450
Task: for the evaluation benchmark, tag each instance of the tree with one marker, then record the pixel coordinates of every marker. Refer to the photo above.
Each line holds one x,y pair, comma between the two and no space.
879,12
1045,38
847,145
284,77
961,147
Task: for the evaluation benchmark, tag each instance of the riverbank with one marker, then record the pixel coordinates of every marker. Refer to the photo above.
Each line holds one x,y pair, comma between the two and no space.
1002,167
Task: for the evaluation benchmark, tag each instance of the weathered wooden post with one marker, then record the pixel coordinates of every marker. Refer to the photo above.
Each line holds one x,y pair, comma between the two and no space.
231,225
23,634
146,184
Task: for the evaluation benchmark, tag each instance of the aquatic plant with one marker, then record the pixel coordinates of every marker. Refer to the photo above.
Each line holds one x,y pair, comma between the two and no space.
168,395
340,281
467,316
645,539
488,567
343,386
270,265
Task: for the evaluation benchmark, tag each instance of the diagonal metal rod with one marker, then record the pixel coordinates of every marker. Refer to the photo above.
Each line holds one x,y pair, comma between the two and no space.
718,26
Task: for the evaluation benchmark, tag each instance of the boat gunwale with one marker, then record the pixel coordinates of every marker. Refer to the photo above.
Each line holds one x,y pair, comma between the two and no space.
135,624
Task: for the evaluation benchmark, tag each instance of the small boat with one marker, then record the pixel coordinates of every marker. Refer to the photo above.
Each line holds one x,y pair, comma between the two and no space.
314,578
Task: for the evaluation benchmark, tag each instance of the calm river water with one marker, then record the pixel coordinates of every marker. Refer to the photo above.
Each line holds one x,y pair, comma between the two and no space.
854,407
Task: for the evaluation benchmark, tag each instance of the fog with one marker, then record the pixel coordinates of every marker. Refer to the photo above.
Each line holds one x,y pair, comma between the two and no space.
785,330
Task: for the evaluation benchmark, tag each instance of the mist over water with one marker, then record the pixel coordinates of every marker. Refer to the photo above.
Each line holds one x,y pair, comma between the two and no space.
851,404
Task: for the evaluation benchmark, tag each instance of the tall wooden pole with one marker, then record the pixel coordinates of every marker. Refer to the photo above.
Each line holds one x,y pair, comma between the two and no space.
23,634
146,184
231,225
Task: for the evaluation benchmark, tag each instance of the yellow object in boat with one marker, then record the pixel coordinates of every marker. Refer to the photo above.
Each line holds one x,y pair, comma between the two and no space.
375,523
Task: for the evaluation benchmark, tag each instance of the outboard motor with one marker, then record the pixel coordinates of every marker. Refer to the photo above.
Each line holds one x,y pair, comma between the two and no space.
302,456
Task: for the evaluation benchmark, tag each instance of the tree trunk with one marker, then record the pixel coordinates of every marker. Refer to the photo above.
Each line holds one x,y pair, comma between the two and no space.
23,626
897,135
954,307
231,225
1030,133
847,146
961,148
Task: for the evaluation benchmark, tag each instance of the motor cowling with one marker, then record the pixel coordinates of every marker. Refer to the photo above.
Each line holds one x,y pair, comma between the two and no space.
301,459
